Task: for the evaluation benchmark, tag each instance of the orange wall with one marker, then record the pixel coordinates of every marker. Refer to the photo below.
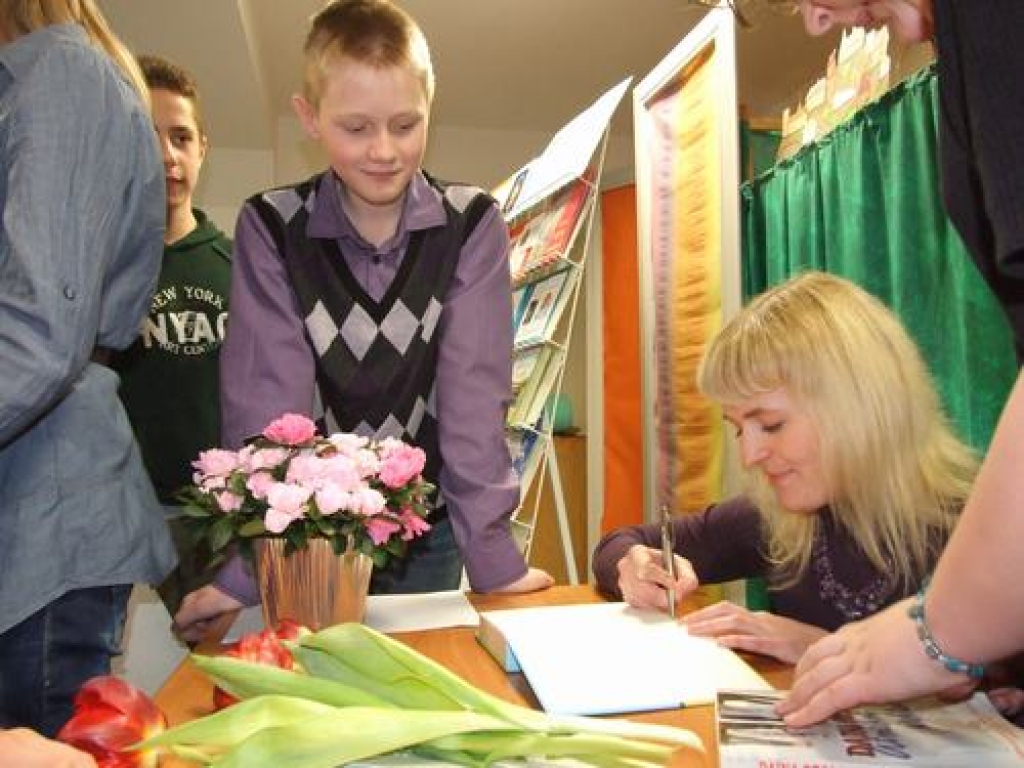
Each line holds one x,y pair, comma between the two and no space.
623,449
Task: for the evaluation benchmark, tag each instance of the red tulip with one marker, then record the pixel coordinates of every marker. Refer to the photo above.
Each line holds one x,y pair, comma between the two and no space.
287,629
263,648
111,715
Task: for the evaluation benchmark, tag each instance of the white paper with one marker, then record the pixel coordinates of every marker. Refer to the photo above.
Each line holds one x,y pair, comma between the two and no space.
570,150
608,658
388,613
428,610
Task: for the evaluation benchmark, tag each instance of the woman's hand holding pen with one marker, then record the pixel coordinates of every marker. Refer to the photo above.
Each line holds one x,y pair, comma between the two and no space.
645,583
753,631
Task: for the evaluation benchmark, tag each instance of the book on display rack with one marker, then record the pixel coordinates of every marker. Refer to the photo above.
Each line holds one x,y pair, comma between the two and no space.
542,307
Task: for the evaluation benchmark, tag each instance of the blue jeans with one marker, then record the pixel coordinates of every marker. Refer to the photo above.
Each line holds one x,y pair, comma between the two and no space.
431,564
45,659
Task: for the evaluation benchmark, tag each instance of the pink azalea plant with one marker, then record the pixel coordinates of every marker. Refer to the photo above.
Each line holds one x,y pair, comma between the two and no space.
297,484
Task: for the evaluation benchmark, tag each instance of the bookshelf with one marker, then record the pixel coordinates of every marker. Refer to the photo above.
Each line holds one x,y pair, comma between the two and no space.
549,206
546,284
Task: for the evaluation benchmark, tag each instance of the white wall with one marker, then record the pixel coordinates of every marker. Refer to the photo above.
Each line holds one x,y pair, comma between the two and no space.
228,177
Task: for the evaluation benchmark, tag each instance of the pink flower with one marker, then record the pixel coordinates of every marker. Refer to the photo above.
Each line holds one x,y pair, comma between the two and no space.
343,472
288,477
264,458
211,484
216,462
259,484
368,502
331,498
307,470
286,503
381,529
290,429
413,525
358,451
228,501
276,521
347,443
400,463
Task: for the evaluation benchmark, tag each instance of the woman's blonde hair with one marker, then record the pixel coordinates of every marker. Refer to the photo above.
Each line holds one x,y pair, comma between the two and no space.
897,474
373,32
24,16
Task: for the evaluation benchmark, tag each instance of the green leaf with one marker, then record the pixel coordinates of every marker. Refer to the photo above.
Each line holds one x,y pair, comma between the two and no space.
238,722
377,658
237,484
252,528
221,534
246,679
321,719
353,733
401,691
582,746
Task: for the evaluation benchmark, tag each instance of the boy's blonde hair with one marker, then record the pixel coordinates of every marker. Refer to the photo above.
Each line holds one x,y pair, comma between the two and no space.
24,16
373,32
897,473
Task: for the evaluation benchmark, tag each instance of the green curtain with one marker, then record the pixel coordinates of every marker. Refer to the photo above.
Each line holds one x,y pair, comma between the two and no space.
757,154
758,148
864,203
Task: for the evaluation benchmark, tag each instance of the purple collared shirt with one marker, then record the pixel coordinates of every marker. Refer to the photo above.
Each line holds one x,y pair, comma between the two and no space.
268,367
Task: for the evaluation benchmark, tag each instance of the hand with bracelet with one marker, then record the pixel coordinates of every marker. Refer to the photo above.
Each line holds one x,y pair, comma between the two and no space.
879,659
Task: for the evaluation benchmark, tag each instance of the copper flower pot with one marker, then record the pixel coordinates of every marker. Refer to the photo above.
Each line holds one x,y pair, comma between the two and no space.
312,586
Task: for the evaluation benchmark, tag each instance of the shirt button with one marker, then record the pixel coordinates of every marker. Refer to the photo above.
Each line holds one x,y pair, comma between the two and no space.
376,259
69,293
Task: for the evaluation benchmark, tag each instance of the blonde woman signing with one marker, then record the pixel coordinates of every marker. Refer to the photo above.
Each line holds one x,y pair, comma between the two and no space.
855,479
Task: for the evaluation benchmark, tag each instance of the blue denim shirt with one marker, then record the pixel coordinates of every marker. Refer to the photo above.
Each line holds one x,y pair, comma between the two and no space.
82,192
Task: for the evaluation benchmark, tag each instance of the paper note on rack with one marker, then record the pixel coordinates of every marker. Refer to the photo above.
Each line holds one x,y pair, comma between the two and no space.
569,152
608,658
389,613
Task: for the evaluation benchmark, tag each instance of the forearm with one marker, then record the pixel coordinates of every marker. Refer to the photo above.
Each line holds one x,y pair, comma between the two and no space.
971,605
609,552
236,579
474,384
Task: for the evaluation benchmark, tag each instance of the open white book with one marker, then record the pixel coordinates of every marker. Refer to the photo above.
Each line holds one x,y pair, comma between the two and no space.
608,658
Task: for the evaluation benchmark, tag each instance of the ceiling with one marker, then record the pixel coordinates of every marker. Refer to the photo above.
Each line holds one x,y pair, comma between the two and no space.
526,65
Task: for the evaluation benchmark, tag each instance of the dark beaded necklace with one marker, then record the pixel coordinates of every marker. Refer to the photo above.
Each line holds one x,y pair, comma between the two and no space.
853,605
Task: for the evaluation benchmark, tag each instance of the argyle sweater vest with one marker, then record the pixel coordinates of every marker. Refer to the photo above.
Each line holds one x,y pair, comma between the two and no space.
376,361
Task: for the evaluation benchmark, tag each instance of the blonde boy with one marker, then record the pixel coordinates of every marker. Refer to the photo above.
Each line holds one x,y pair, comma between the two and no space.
377,300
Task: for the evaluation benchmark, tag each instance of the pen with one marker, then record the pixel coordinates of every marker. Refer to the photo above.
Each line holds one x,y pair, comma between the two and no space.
667,560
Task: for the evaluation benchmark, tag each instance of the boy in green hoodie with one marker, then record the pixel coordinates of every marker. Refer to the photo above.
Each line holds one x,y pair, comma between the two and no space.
170,381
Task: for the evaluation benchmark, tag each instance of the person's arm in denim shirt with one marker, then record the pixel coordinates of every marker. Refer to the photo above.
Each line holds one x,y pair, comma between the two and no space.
78,260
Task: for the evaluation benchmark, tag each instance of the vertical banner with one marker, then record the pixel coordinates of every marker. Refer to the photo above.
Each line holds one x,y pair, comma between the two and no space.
687,147
620,296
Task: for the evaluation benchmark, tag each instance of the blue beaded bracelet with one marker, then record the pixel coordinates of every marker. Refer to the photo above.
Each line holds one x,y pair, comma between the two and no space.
931,647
